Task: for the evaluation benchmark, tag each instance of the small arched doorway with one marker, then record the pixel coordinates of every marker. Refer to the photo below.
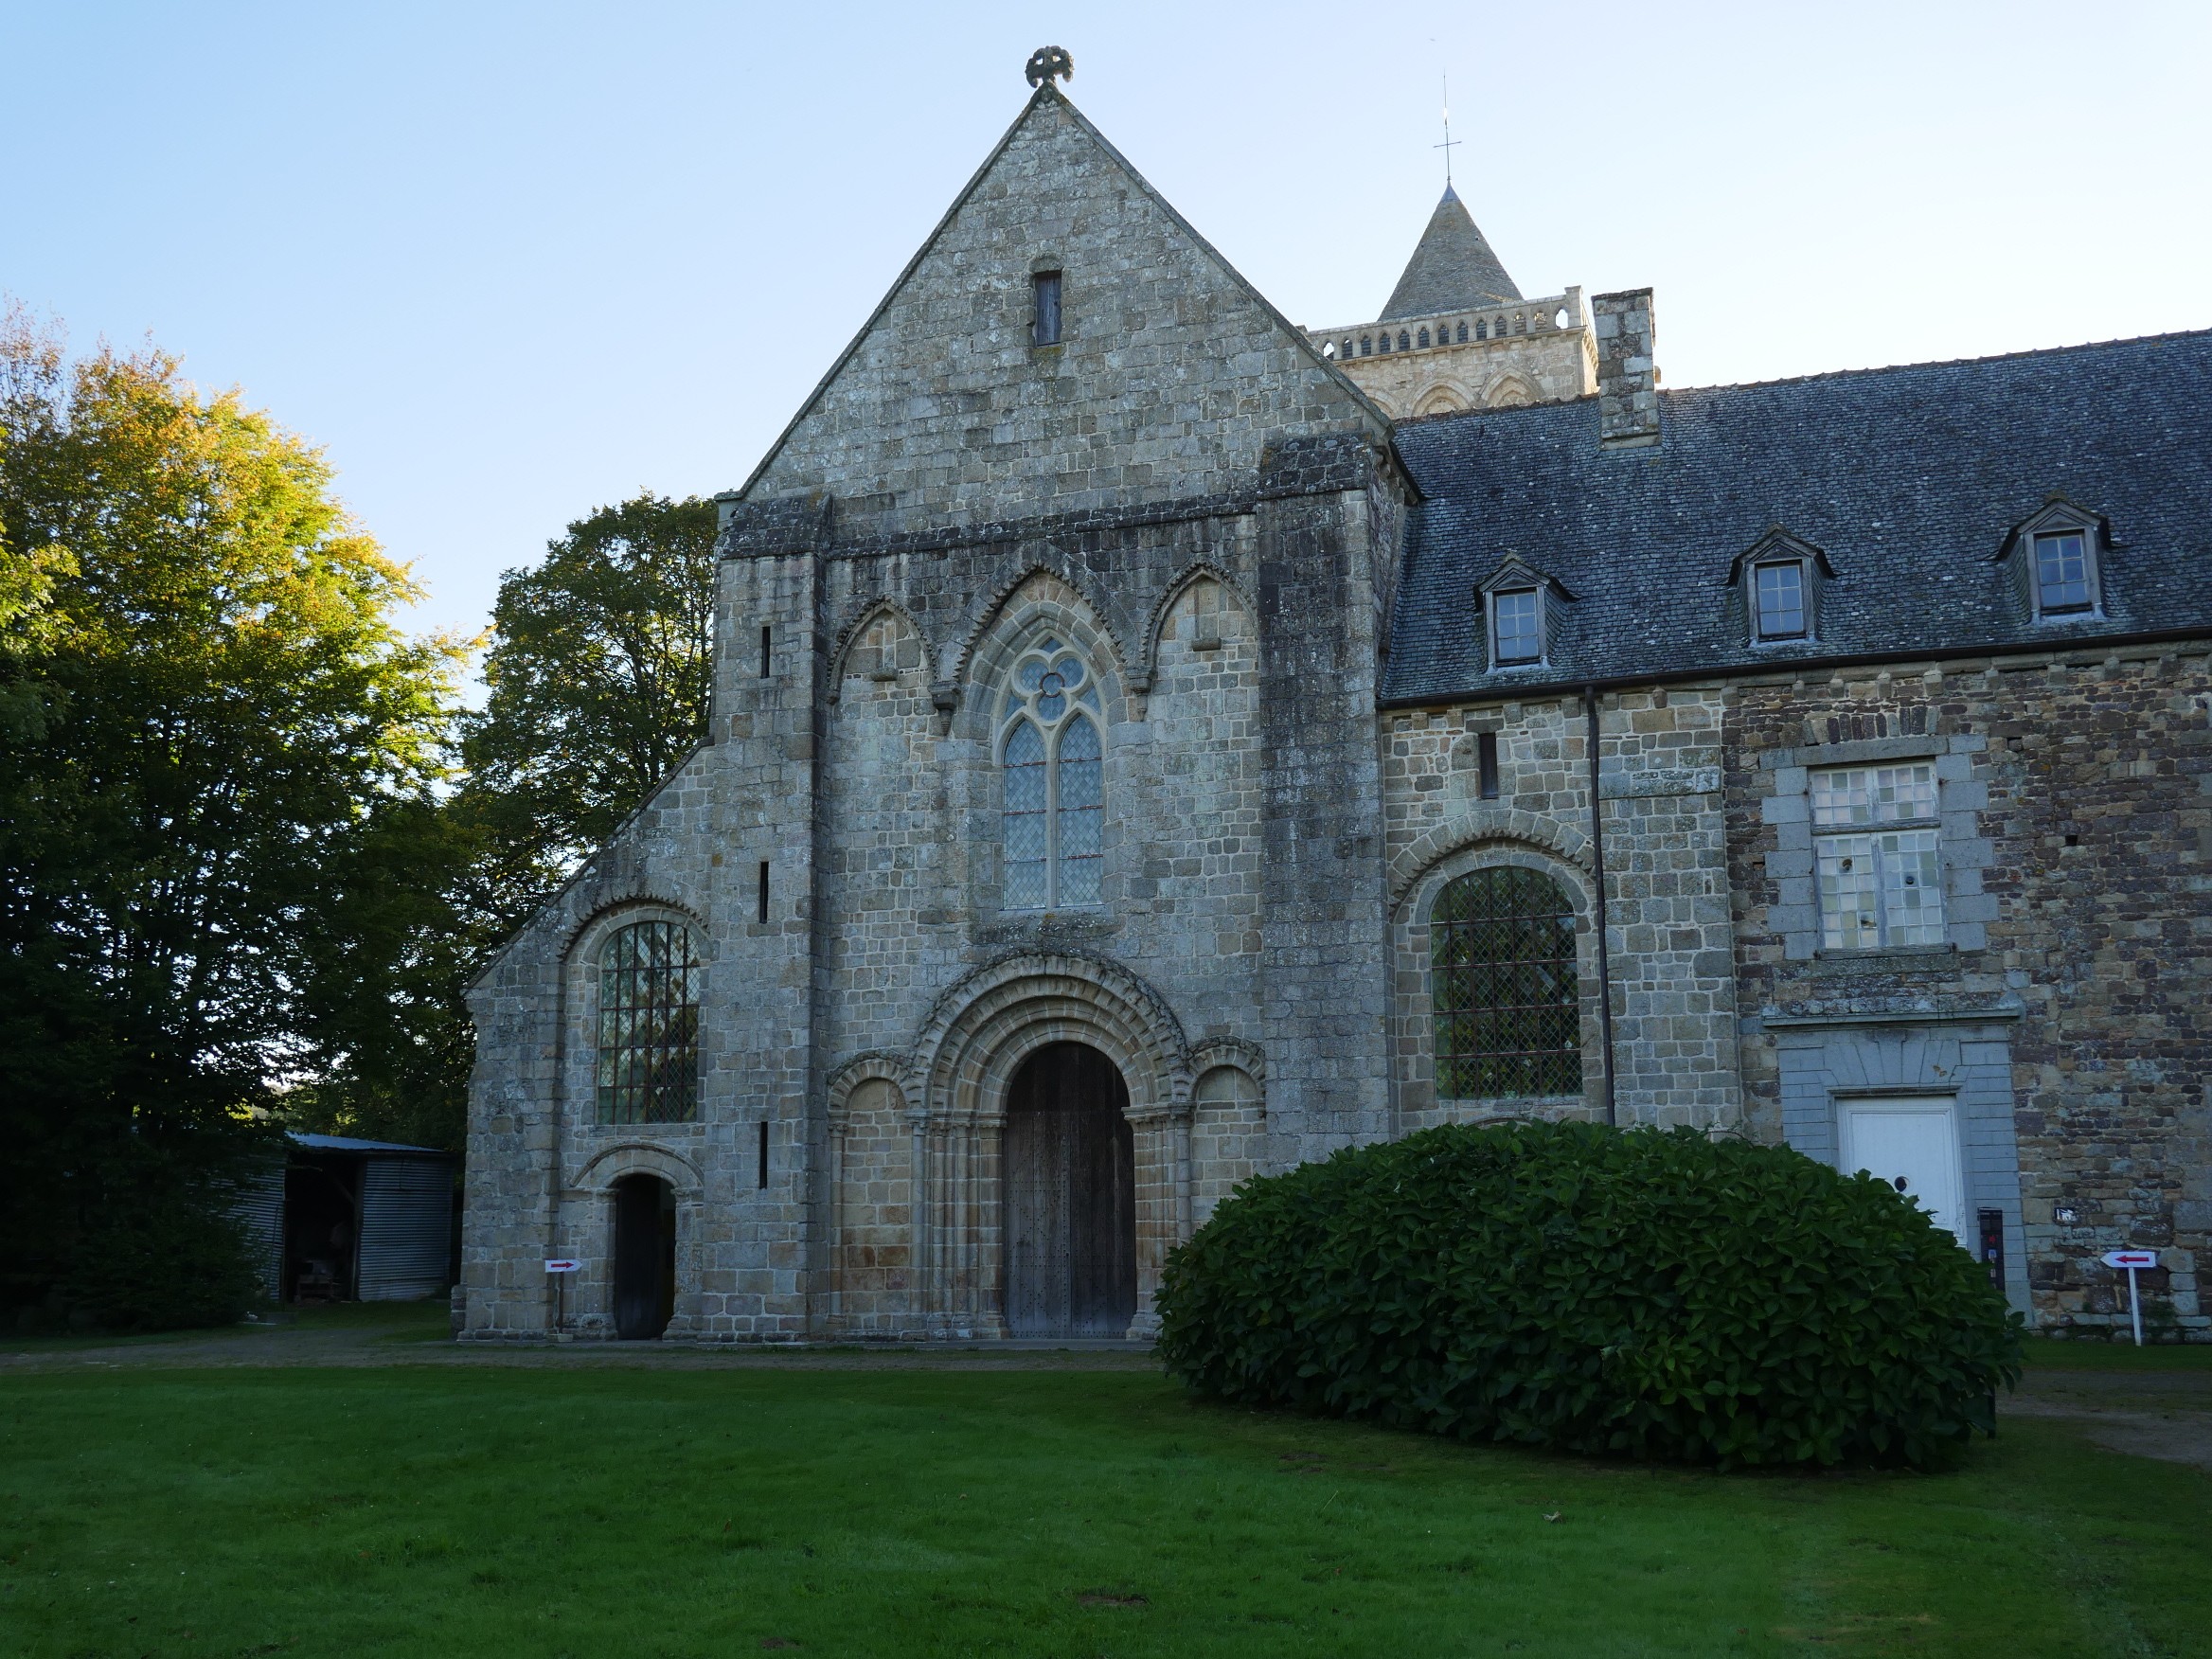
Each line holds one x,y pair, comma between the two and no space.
645,1257
1070,1163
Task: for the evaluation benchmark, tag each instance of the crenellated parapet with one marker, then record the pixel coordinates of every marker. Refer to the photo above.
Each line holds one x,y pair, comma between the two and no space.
1493,356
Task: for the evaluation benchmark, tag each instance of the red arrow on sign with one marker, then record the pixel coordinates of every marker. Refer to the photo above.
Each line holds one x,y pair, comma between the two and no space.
2136,1259
565,1265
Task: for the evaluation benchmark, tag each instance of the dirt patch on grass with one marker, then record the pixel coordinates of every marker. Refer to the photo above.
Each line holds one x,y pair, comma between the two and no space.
2166,1415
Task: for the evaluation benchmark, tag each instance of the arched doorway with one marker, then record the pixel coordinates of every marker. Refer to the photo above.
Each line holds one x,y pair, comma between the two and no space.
645,1257
1070,1162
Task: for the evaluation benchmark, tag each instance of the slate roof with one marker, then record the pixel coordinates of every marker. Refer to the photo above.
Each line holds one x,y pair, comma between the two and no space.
1908,479
1452,268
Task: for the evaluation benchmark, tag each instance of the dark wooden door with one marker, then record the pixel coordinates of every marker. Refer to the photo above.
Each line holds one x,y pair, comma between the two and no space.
1070,1163
645,1257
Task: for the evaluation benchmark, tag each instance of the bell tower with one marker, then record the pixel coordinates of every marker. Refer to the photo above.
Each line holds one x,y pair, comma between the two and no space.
1457,332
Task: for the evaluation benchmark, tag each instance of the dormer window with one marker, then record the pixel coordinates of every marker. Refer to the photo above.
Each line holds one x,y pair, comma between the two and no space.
1516,625
1777,592
2055,559
2062,572
1518,606
1782,585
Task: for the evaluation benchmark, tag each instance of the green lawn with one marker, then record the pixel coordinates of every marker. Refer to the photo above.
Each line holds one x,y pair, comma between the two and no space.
619,1511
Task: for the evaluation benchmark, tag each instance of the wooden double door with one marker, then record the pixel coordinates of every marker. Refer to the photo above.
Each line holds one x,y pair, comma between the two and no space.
1070,1184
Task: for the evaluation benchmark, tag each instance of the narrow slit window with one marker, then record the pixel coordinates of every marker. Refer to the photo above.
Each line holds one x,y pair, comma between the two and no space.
764,650
760,1164
1046,328
1486,751
1780,590
760,892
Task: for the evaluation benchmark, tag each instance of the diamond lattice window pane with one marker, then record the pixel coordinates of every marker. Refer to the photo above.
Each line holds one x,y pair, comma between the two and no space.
1507,1016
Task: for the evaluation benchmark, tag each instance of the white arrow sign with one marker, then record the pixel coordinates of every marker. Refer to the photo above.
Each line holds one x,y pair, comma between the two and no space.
565,1265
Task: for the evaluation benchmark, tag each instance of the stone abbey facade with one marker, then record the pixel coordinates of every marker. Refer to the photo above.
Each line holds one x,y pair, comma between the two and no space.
1153,744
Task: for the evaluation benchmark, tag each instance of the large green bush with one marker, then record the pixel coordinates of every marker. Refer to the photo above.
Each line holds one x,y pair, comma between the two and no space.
1640,1294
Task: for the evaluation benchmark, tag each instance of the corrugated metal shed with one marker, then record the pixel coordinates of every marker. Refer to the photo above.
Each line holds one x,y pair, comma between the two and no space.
372,1222
406,1227
261,1207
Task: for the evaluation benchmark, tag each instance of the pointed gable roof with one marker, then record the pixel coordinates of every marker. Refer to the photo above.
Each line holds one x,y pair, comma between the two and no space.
866,430
1452,269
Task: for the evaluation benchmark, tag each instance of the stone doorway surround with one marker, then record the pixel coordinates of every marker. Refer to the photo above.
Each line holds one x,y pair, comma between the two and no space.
954,1082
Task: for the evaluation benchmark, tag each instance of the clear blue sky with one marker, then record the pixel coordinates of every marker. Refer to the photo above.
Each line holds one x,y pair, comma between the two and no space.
507,262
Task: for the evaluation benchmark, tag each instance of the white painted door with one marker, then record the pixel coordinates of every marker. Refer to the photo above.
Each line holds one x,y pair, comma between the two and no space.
1913,1144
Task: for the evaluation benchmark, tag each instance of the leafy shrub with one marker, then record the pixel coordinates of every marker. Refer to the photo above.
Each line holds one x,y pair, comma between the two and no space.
1644,1293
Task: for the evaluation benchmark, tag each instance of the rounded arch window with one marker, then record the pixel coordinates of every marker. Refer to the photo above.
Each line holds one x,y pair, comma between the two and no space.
1508,1015
649,1024
1052,764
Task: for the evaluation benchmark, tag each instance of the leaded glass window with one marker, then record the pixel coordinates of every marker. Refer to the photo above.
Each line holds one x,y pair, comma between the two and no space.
1879,866
649,1024
1053,763
1502,977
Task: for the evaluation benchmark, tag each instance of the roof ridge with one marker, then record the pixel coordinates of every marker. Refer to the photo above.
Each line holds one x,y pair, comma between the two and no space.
1821,374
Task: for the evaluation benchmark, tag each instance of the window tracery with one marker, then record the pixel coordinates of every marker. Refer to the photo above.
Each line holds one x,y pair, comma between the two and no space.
1053,765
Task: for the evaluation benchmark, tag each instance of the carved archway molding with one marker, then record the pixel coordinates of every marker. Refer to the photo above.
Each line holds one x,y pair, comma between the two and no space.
611,1164
984,1027
1469,830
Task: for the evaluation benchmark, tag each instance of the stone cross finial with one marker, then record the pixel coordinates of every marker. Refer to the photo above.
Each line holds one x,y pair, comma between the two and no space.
1050,63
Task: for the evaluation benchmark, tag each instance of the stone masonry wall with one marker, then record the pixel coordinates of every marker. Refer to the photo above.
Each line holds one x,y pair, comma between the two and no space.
1667,904
2081,895
1170,379
1547,367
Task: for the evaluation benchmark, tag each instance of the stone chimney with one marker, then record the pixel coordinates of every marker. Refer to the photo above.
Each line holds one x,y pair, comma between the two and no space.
1627,385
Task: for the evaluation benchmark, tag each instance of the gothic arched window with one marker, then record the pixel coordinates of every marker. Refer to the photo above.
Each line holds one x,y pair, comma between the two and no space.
1054,774
649,1024
1502,977
1423,339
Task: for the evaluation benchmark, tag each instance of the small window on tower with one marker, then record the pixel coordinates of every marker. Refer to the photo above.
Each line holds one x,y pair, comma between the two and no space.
1045,331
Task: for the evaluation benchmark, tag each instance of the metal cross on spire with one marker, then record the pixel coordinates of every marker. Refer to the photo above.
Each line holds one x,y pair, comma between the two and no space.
1450,143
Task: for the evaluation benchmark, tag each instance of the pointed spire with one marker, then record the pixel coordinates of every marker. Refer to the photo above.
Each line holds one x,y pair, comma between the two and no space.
1452,269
